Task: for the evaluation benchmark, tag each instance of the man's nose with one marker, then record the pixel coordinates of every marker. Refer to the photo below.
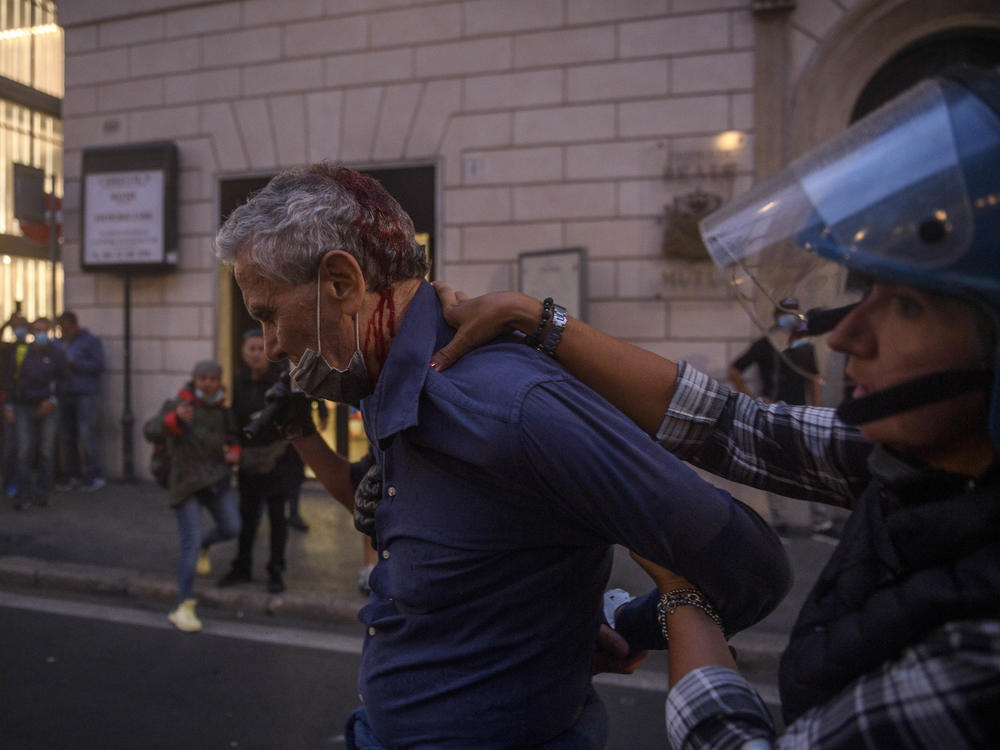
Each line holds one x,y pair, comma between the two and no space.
272,348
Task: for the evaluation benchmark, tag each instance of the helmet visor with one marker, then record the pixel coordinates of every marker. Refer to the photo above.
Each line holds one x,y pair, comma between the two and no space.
888,193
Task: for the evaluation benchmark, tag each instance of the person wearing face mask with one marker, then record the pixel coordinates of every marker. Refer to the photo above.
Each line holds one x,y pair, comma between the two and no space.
504,483
11,357
780,380
35,382
785,359
893,227
202,440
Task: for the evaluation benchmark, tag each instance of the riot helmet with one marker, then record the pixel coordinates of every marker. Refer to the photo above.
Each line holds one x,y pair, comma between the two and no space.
908,194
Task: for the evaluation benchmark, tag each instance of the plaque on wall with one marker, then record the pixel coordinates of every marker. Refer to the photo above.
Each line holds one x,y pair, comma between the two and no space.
560,273
129,207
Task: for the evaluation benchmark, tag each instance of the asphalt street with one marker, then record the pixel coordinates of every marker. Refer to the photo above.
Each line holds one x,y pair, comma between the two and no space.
279,663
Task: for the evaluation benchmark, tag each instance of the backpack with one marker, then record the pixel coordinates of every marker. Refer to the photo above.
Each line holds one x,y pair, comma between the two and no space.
159,464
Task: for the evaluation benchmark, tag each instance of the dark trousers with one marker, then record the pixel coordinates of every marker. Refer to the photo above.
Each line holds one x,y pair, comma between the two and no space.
251,509
589,733
78,434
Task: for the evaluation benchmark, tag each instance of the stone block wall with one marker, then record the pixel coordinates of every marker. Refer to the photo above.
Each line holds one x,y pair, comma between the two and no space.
552,123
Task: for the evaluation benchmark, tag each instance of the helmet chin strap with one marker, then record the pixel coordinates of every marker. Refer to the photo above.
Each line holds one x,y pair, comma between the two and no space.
928,389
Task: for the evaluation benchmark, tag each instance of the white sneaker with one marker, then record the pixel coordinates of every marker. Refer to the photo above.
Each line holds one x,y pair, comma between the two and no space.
184,617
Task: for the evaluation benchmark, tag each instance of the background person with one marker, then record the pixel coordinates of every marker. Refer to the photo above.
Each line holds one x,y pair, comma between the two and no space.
203,445
898,643
788,379
270,469
789,375
11,356
495,527
32,409
79,405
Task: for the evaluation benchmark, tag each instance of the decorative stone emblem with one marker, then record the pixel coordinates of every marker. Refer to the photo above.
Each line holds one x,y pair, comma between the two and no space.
681,238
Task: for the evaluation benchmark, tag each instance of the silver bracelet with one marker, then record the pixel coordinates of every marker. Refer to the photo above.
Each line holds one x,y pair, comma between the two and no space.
559,319
670,601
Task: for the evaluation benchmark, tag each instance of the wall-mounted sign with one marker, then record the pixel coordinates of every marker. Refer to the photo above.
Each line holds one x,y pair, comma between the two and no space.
560,273
129,207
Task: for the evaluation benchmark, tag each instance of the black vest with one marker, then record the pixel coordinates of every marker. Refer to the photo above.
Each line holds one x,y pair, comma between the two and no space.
921,548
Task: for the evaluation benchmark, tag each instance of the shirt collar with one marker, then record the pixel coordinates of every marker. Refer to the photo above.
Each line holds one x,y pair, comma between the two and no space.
393,405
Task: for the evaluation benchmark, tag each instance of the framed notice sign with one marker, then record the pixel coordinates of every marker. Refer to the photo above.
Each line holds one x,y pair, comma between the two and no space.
129,207
560,274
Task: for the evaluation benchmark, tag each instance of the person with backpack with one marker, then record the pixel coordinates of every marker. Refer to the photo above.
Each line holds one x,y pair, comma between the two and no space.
202,445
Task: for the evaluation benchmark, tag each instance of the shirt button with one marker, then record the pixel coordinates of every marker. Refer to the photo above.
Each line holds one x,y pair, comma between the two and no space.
391,491
385,554
371,630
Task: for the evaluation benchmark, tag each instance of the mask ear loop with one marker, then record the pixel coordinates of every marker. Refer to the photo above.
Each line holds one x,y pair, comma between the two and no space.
319,339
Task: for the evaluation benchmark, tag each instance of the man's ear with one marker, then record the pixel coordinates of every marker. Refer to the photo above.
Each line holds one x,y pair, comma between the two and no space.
340,272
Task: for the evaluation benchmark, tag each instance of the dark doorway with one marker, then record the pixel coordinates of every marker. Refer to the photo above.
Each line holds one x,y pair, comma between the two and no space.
925,58
413,187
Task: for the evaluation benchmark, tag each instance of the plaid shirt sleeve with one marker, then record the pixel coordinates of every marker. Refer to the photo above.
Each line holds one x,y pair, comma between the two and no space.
804,452
942,693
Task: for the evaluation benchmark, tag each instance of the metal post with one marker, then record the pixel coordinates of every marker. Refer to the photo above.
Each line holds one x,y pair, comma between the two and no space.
127,422
53,244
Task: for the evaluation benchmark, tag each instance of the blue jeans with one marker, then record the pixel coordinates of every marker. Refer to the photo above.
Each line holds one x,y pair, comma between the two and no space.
78,428
589,733
221,503
36,447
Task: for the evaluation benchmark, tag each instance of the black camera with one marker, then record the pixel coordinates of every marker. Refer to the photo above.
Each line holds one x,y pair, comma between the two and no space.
283,408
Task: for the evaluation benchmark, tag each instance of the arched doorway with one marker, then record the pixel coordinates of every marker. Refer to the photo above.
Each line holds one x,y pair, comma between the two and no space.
886,35
925,58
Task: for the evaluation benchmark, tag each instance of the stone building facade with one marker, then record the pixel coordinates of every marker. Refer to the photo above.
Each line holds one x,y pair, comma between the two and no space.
548,124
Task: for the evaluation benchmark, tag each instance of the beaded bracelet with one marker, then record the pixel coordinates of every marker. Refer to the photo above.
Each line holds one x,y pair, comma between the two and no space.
555,332
532,340
670,601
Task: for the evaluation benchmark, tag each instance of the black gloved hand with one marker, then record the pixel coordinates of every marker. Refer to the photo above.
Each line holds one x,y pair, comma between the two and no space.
289,411
366,498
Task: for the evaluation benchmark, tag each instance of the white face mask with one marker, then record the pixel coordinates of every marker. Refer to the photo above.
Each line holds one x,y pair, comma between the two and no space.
788,321
211,400
316,378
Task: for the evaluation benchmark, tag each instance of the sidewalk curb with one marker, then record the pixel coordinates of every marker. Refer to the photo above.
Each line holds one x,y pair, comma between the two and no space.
321,607
28,571
753,646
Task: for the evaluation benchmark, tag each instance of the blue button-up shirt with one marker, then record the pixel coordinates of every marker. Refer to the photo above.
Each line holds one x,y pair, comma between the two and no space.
504,482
